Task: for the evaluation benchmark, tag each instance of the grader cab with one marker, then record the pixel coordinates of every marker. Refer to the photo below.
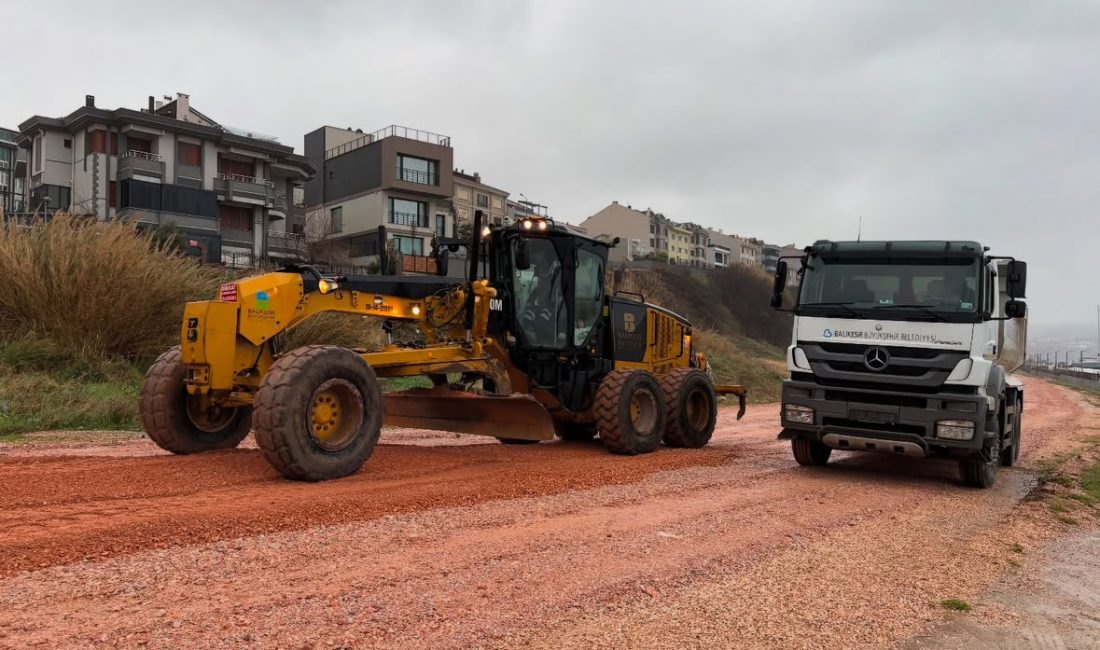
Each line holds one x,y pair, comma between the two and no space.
528,347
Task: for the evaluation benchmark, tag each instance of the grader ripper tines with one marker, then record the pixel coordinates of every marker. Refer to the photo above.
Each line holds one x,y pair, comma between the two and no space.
528,347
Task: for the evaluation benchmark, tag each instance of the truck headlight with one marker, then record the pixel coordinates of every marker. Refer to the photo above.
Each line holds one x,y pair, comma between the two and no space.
955,430
798,413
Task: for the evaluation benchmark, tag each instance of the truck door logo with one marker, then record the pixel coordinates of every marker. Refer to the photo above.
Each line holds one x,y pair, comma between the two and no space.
628,322
876,359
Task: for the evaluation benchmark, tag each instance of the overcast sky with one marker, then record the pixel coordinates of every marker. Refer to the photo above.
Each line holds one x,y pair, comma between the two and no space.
783,120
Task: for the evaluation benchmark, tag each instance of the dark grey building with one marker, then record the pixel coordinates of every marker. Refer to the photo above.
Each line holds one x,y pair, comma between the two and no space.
397,177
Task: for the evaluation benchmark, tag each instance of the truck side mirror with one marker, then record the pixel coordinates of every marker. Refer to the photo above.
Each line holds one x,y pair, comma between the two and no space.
523,254
442,261
1017,279
1015,309
780,284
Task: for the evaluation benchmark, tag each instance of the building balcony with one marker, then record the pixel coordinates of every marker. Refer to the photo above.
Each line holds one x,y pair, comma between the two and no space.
140,163
285,243
422,178
244,189
408,219
189,175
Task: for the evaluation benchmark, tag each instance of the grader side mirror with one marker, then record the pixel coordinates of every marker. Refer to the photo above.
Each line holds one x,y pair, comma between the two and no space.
523,254
442,261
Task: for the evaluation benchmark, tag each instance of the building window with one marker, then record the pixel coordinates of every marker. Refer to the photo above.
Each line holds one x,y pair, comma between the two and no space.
114,144
134,143
68,143
336,219
652,243
417,170
189,154
97,141
408,213
236,167
652,229
482,200
112,194
232,217
441,225
408,245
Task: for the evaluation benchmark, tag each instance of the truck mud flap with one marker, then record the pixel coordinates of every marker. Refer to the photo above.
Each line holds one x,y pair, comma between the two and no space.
443,409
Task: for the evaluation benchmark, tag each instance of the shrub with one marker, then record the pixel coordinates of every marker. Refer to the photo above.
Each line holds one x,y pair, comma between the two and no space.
95,289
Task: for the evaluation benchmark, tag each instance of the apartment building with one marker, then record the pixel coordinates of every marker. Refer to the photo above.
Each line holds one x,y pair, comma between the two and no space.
472,194
13,164
397,178
637,231
699,240
680,248
229,191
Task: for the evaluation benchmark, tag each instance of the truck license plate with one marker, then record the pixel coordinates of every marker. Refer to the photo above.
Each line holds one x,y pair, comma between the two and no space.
878,417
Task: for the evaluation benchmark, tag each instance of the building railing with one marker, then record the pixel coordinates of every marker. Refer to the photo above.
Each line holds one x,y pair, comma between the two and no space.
390,131
240,178
408,219
141,155
417,176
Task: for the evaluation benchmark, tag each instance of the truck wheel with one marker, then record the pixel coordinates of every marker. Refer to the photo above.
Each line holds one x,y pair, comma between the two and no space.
575,430
175,420
810,453
630,410
979,472
1010,454
318,413
692,408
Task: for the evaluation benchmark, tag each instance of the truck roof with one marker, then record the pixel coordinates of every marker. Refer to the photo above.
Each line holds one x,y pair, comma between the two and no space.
912,248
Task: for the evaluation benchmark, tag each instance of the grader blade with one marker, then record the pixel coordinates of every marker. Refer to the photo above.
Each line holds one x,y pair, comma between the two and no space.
442,409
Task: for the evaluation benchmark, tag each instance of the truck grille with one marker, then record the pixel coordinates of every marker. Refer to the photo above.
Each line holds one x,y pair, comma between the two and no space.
846,364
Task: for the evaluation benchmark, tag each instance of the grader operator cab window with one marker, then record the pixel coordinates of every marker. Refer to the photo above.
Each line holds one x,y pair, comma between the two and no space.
588,298
540,300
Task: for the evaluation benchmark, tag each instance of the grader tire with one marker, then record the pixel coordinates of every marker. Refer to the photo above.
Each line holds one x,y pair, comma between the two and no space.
318,413
630,411
692,408
173,426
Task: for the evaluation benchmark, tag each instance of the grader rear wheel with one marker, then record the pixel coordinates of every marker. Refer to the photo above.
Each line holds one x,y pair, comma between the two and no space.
692,408
630,410
178,422
318,413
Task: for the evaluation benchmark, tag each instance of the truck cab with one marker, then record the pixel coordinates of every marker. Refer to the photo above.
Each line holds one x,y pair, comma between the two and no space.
908,348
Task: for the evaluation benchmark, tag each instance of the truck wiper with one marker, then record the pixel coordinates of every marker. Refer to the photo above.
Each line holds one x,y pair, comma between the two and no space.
923,308
842,305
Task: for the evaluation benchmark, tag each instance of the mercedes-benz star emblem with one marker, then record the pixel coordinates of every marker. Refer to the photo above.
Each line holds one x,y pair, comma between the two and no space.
876,359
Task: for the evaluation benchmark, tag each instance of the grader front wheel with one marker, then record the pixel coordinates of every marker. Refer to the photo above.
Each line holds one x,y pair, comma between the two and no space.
318,413
178,422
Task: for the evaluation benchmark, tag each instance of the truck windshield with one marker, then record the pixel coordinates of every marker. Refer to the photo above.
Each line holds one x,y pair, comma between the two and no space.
910,289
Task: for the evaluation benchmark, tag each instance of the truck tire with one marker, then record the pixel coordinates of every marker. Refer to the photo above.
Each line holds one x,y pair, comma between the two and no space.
977,472
691,408
172,419
1010,454
810,453
577,431
318,413
630,411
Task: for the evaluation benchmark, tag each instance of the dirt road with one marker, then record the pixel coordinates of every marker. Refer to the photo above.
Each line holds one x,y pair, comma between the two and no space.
455,542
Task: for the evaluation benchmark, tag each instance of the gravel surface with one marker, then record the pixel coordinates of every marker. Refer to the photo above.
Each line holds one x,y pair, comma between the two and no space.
446,542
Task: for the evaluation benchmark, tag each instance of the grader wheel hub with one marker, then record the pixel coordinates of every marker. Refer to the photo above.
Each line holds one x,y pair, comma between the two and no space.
336,413
643,410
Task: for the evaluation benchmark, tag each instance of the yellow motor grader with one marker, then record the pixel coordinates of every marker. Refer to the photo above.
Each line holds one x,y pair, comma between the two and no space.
529,346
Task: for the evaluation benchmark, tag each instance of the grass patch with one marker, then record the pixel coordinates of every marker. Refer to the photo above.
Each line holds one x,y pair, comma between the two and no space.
11,437
1066,519
1090,482
955,605
1059,507
36,400
754,364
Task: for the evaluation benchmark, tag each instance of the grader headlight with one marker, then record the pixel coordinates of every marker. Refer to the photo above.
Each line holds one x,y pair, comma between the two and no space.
327,286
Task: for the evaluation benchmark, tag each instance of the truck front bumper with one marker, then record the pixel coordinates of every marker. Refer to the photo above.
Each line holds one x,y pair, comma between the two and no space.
891,421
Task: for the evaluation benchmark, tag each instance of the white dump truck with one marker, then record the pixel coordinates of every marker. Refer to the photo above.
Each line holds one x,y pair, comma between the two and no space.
906,347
